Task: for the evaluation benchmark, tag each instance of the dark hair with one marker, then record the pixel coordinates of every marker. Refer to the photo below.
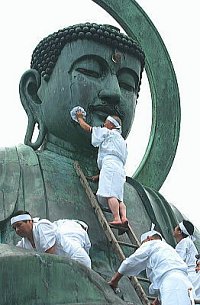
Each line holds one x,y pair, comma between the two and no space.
46,53
20,212
117,118
157,236
189,227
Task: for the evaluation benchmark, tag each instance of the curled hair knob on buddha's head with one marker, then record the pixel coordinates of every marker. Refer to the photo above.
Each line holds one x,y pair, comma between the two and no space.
48,50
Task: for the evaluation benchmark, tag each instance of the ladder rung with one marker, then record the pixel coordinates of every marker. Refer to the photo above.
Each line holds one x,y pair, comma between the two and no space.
119,228
127,244
143,279
151,298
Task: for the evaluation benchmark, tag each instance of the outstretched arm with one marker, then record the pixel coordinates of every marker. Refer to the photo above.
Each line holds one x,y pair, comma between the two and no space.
82,123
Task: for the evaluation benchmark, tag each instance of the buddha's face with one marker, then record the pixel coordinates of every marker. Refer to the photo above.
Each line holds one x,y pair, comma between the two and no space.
94,77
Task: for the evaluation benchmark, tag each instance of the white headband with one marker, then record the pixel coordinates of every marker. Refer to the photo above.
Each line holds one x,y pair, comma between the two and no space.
184,230
20,218
115,123
149,233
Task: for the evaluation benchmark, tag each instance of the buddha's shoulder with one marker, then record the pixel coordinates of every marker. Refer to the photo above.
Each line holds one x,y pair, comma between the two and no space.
15,155
19,172
13,161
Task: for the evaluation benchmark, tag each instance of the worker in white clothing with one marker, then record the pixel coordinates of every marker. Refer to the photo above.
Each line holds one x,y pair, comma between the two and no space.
62,237
112,155
197,268
164,267
187,250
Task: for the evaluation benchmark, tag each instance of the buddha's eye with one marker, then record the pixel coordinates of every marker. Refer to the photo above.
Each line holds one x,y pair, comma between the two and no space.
126,86
128,80
88,72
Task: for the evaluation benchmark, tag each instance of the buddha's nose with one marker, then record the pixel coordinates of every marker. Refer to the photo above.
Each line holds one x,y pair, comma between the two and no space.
111,93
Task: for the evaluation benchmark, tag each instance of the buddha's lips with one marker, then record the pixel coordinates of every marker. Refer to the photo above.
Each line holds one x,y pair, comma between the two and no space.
105,110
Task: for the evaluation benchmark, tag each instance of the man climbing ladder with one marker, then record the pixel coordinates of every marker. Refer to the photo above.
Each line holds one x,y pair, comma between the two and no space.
112,155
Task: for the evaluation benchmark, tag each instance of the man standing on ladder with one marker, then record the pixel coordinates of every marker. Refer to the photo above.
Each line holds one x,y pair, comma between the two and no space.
112,155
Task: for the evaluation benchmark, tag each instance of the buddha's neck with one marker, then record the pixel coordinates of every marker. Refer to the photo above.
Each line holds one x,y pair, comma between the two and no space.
87,156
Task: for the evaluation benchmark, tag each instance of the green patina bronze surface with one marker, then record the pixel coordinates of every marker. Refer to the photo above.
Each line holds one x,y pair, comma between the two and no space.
104,77
50,280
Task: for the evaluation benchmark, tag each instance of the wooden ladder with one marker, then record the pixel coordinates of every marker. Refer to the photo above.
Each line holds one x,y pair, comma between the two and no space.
111,237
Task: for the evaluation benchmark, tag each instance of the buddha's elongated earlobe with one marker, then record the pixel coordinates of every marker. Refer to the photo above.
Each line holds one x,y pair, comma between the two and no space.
30,131
29,86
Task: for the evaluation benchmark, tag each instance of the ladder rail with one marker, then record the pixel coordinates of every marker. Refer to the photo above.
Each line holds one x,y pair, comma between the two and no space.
108,232
133,238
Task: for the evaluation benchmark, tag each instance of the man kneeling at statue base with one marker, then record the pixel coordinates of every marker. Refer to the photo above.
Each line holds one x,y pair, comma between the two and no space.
63,237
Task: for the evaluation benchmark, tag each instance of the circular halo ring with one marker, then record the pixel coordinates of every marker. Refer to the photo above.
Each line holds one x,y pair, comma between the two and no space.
166,114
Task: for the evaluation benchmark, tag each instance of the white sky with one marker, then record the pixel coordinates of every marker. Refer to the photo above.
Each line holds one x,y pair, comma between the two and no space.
24,23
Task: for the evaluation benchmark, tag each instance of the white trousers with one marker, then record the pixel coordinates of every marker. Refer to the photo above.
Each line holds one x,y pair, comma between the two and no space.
174,289
111,180
82,257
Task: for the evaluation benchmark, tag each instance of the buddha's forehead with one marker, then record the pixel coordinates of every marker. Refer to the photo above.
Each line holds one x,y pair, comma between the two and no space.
81,50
